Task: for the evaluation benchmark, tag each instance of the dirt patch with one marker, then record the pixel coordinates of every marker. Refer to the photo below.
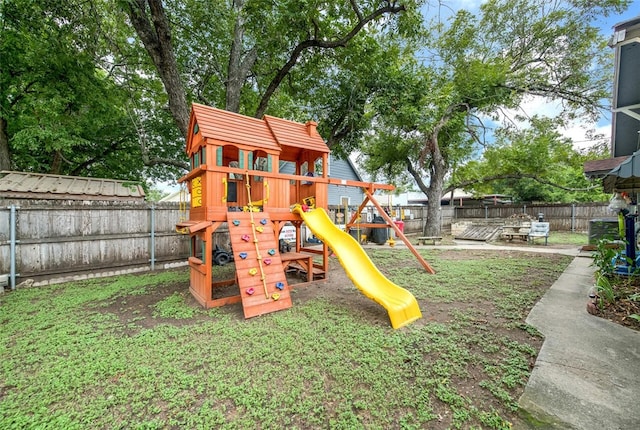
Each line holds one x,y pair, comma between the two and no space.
626,303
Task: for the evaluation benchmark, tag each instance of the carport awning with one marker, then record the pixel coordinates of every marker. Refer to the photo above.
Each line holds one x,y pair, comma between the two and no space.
625,177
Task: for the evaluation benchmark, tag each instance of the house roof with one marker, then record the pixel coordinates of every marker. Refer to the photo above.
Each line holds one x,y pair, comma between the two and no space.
231,127
627,23
26,185
599,168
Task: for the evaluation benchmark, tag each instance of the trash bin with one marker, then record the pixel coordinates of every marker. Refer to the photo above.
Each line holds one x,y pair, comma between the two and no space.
400,225
379,235
603,228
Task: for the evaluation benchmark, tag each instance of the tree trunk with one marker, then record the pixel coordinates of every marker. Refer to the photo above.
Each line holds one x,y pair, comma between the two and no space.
155,35
433,226
433,191
5,159
238,68
438,170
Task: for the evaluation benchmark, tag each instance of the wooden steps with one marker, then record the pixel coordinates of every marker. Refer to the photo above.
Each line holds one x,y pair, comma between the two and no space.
317,272
255,300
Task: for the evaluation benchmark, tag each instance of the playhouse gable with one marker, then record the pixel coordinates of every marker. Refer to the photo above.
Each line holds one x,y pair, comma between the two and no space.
294,137
208,123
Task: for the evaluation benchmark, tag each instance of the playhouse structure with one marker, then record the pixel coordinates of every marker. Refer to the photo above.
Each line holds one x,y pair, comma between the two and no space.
235,179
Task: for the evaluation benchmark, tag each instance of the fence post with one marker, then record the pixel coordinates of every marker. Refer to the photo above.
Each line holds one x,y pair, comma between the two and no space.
153,237
486,212
573,217
12,246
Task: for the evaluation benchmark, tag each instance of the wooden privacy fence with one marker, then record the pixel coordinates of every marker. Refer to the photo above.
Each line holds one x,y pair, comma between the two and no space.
44,240
561,217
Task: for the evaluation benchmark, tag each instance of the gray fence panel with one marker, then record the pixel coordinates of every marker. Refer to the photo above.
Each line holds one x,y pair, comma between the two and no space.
561,217
55,239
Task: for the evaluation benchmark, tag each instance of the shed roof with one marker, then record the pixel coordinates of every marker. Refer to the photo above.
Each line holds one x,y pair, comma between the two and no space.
26,185
599,168
232,127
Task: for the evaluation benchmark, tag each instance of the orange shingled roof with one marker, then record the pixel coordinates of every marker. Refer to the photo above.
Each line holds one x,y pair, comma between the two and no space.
232,127
295,134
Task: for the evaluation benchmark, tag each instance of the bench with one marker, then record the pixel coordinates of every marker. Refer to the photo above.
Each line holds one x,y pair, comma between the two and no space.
426,240
539,230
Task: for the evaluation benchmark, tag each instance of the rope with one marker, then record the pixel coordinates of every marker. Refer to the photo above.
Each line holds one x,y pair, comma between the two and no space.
263,278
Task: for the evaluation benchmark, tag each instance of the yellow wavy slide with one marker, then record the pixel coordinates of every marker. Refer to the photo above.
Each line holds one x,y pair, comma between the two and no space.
399,303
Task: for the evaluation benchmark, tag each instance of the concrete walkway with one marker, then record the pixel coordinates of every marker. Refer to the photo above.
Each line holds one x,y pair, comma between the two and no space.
587,374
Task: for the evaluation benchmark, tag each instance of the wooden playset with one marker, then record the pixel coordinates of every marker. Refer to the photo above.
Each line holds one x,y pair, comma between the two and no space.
236,178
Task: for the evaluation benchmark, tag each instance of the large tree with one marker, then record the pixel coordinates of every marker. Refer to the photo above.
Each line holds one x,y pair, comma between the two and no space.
248,48
133,69
432,117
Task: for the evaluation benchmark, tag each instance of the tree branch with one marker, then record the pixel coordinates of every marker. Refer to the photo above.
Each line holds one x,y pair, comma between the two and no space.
318,43
157,41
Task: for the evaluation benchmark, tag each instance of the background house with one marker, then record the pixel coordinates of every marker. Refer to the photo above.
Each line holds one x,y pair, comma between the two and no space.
625,120
626,91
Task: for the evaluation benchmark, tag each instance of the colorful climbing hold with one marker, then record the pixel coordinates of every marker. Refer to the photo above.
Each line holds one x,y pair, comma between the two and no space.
250,291
259,229
275,296
263,221
267,261
272,252
253,271
243,255
280,285
246,237
236,222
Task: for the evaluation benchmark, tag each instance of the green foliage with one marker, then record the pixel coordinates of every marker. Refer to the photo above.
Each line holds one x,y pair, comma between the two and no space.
605,289
533,164
63,114
472,69
174,306
603,257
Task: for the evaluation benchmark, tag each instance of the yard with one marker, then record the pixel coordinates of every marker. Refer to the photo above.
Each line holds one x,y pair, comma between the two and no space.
138,352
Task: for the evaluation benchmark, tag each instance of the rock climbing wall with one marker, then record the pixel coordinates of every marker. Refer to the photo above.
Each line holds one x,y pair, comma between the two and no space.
261,278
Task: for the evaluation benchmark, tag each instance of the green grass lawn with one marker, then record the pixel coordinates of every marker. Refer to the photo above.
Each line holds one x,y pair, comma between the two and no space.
567,238
88,354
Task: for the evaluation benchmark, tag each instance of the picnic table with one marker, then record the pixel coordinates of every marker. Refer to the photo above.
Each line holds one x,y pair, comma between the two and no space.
516,230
